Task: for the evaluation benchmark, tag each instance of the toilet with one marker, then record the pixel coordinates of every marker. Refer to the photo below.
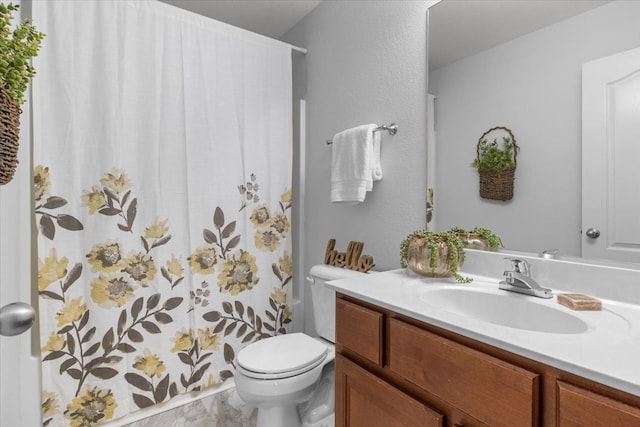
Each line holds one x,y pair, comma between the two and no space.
290,378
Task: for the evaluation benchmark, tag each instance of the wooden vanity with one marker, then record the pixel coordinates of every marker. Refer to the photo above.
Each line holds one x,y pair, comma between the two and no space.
393,370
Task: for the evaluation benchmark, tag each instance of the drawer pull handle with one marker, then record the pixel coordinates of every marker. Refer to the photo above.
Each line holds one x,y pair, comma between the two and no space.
458,425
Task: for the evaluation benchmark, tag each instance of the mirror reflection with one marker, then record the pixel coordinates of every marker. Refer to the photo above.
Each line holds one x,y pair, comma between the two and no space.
519,64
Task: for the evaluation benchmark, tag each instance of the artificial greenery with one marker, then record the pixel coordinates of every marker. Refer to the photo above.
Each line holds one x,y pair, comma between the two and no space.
17,47
494,156
492,239
456,250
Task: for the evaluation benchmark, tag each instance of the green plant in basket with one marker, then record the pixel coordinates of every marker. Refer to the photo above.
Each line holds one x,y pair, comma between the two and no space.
496,164
17,46
492,155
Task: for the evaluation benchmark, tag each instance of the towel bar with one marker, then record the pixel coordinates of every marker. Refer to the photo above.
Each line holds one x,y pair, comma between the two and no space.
392,129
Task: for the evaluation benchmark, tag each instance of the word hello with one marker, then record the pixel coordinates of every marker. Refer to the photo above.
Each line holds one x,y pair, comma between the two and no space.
351,259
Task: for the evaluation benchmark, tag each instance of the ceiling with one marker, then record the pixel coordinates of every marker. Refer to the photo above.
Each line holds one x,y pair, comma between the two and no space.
459,28
271,18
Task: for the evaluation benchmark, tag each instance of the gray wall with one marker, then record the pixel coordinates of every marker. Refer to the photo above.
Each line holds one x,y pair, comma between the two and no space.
366,63
533,86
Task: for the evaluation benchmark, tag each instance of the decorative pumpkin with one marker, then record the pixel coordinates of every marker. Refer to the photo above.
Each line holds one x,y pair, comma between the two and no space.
433,254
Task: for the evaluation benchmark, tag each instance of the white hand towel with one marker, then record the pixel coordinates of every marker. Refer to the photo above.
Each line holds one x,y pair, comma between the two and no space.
355,163
376,166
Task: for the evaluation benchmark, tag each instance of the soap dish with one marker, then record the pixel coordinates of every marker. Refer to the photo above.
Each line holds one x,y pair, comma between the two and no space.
580,302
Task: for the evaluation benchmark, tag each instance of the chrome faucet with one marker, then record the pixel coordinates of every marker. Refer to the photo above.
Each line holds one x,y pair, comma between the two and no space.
519,280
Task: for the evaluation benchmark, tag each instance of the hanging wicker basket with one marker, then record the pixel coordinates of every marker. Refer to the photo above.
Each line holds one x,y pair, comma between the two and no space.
497,184
9,136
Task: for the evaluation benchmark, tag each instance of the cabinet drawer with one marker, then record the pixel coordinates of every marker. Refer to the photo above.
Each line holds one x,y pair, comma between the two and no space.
491,390
365,400
359,329
580,408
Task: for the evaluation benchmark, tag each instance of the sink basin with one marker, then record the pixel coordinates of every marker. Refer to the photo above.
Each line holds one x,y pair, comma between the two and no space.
505,309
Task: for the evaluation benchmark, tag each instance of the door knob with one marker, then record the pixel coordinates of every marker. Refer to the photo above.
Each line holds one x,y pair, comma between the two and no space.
16,318
593,233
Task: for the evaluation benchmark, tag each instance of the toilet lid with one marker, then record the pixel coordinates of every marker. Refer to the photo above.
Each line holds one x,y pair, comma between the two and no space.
283,354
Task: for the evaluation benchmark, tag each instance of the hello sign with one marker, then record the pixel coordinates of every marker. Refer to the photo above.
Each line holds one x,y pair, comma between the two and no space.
352,258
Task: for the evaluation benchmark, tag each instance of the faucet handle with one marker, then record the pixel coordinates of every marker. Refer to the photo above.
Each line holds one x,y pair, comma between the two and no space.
519,265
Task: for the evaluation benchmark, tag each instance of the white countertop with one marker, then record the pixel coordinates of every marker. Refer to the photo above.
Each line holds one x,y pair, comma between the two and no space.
608,352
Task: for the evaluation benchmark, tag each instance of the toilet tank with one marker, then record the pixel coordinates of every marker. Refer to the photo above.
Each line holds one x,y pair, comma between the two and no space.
323,299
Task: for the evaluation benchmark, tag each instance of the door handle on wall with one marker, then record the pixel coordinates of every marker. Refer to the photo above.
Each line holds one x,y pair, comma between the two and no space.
16,318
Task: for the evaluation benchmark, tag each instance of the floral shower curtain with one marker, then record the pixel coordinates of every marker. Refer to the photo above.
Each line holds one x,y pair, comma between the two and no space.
162,153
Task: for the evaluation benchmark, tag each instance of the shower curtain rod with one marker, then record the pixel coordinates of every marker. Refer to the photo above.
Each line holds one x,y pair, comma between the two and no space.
298,49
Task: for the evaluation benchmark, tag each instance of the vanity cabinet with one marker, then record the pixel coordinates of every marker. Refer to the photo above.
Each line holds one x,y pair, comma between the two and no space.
392,370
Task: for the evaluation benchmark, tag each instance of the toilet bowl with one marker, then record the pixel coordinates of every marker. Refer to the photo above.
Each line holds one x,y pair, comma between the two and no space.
278,390
290,378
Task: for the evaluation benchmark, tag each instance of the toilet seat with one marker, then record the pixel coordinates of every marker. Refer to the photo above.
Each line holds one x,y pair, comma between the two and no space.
282,356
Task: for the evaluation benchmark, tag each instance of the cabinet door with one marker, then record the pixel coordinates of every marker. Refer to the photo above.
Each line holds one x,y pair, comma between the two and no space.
489,389
359,330
362,399
578,407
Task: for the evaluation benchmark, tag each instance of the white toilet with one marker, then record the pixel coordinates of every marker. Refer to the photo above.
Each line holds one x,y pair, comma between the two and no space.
290,378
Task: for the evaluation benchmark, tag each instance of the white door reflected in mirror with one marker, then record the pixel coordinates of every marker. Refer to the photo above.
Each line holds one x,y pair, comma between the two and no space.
610,152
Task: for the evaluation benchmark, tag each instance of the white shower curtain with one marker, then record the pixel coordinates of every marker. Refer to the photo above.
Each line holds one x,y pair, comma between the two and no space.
162,153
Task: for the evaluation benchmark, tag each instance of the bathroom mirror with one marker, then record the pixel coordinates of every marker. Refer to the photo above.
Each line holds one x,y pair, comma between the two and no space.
518,64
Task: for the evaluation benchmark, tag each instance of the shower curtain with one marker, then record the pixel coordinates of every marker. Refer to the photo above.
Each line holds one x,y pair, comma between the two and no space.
162,180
